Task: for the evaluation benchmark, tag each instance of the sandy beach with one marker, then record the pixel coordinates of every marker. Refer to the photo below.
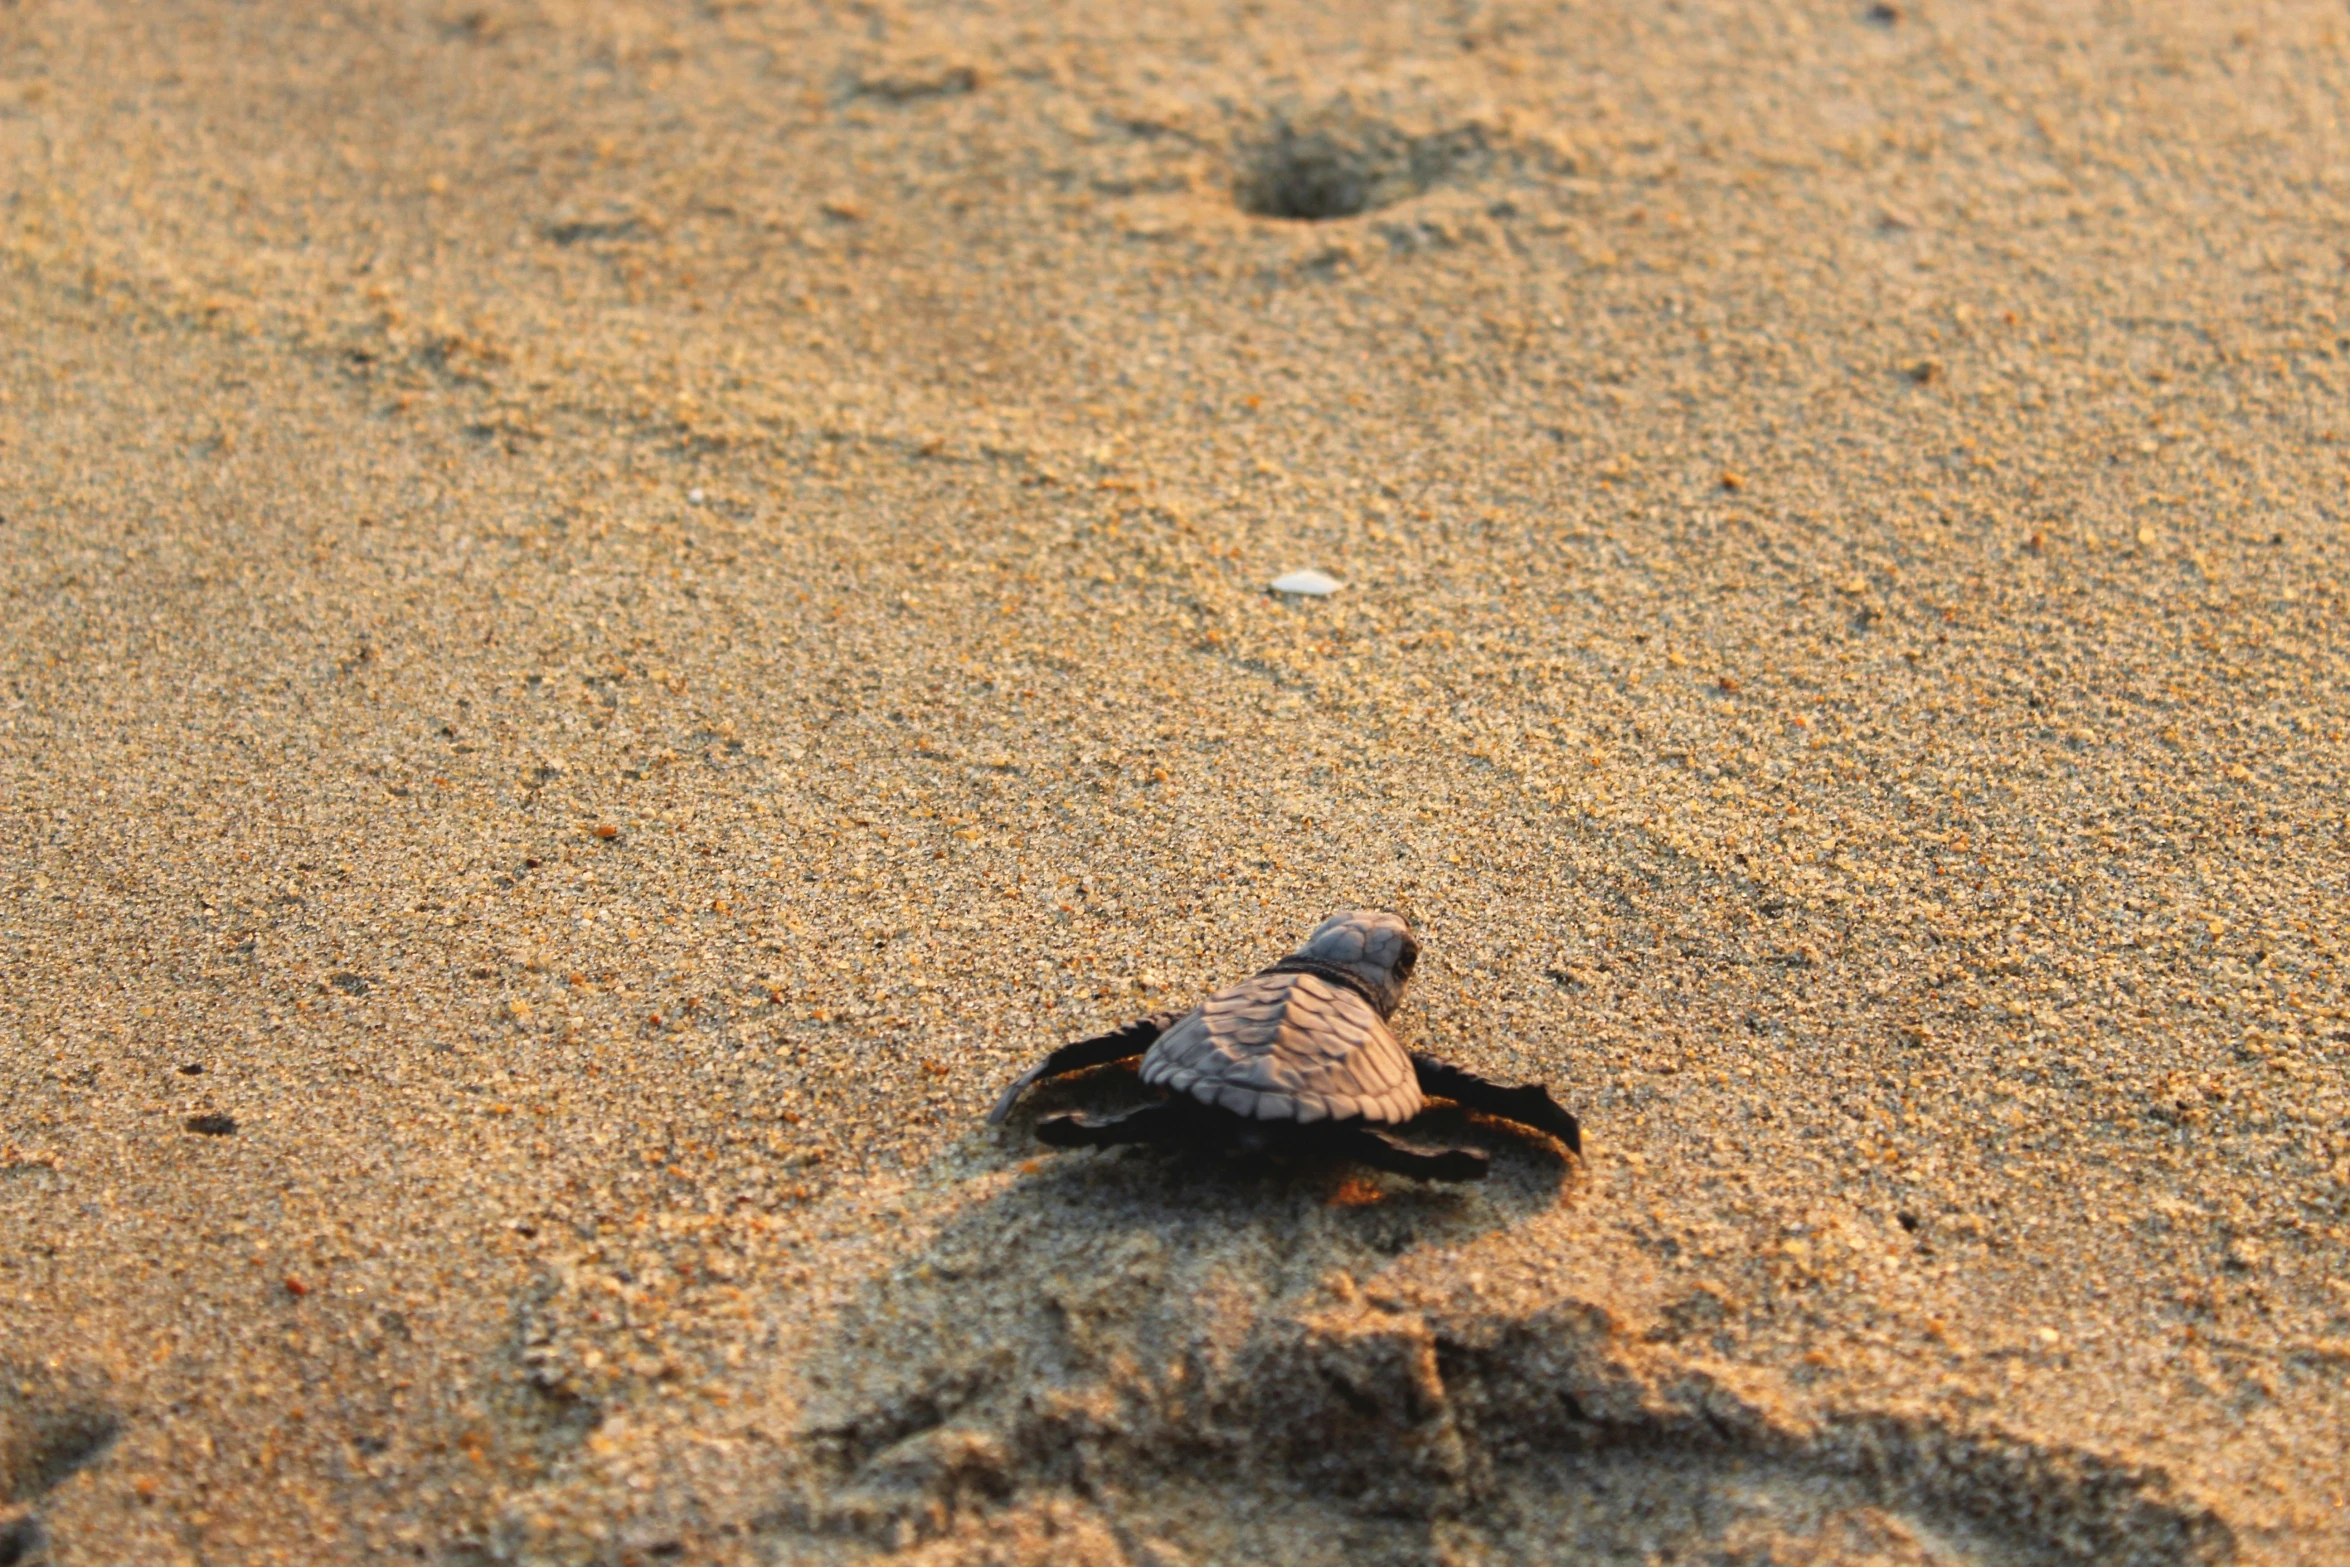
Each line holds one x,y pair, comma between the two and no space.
611,615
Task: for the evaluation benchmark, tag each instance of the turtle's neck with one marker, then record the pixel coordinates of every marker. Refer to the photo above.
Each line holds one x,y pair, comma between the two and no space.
1344,979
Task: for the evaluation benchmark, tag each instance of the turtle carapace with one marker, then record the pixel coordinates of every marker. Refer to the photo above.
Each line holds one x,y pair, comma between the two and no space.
1298,1056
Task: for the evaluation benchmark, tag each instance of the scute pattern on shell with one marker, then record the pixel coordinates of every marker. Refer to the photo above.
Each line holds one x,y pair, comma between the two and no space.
1288,1047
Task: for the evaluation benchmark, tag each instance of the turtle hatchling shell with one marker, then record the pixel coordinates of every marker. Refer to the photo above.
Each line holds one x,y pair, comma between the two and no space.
1288,1047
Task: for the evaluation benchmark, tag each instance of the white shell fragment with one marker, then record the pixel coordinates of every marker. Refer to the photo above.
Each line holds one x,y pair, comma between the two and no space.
1313,584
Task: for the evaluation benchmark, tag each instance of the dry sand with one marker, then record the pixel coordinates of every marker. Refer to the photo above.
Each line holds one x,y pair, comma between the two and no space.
614,613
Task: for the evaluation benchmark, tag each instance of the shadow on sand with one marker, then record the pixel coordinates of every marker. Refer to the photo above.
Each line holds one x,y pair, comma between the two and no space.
1162,1357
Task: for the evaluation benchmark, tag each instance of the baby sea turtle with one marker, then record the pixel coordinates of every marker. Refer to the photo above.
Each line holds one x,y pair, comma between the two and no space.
1297,1057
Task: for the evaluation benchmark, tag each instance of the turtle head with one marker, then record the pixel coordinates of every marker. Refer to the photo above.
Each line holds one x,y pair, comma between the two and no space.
1375,946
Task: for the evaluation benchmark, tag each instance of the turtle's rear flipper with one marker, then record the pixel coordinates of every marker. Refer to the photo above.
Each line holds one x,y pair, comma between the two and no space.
1157,1123
1101,1050
1529,1104
1386,1151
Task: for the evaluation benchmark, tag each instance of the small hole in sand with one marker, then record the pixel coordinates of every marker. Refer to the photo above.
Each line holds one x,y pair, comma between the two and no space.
1310,178
1341,164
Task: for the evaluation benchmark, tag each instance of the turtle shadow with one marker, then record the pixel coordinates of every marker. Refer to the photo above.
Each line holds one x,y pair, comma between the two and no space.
1527,1171
1317,1212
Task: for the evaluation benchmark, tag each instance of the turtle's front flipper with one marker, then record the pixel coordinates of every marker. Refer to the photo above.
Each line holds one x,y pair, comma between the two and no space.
1529,1104
1385,1151
1159,1123
1132,1040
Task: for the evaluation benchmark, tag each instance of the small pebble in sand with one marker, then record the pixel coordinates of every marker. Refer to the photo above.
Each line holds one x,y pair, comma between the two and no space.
213,1125
1310,584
